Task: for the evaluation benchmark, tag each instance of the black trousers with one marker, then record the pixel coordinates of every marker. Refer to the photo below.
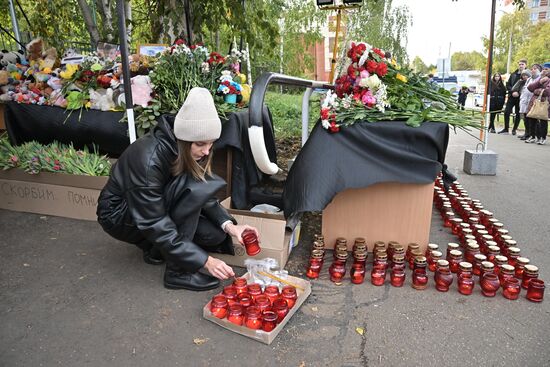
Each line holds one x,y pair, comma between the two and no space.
530,127
542,128
512,103
492,122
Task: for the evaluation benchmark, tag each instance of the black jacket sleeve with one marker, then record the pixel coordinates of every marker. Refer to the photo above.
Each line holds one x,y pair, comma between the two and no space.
146,206
216,213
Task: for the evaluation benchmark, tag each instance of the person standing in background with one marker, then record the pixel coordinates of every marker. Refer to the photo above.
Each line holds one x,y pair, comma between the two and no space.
462,95
513,101
497,92
525,97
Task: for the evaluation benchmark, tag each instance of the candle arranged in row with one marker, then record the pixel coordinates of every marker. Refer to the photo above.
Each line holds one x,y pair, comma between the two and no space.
248,305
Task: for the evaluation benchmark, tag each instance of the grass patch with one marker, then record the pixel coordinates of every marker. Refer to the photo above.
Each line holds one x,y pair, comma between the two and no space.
286,110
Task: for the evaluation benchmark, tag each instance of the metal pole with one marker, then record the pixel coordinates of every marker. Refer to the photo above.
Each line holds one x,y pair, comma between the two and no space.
335,48
15,24
126,70
483,136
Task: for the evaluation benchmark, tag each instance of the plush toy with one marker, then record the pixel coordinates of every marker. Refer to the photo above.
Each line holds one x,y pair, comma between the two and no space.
4,77
49,60
141,90
34,50
118,97
71,57
11,57
55,83
226,76
69,71
56,99
102,99
14,72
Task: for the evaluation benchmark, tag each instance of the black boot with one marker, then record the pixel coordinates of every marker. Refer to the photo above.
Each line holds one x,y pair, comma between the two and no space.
177,279
153,256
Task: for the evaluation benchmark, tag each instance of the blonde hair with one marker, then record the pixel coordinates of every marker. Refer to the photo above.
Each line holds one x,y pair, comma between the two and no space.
185,163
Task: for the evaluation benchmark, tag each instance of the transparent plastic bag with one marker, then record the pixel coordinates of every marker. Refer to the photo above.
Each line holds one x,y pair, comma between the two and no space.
266,266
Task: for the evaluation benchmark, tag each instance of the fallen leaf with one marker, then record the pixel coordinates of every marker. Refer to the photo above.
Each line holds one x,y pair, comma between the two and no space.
360,330
25,264
200,341
43,217
303,364
314,309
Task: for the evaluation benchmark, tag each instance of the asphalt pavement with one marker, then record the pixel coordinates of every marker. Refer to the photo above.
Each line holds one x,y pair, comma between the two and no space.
72,296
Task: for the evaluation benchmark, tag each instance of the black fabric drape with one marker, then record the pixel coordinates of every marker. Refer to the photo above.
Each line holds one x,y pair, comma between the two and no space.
44,124
359,156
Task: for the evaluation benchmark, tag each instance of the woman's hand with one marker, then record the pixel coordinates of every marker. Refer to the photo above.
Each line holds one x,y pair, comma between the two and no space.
218,268
515,94
237,231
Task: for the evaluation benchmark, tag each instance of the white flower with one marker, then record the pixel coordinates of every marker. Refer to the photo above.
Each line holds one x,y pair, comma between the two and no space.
205,67
373,82
225,90
363,58
329,100
325,124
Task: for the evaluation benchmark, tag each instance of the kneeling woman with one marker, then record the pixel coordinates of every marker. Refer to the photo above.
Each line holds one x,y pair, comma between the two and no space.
160,197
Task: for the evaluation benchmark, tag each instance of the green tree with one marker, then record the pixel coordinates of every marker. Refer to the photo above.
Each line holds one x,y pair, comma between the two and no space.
472,60
536,49
383,26
419,66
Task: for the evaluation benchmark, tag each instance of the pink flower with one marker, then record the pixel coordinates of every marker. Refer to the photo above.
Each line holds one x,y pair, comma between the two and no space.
368,99
14,159
365,74
56,167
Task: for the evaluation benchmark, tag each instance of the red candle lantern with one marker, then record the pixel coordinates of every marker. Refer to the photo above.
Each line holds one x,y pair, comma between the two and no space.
251,243
360,257
236,314
478,259
254,289
530,272
315,264
379,245
435,256
487,267
505,272
240,285
253,318
506,244
357,273
230,293
443,276
513,254
520,265
281,308
455,225
359,245
450,247
465,279
262,302
218,306
419,279
397,276
269,321
535,292
489,284
244,299
499,261
472,249
271,292
431,247
378,275
410,248
454,260
288,293
415,254
448,216
337,269
511,288
492,252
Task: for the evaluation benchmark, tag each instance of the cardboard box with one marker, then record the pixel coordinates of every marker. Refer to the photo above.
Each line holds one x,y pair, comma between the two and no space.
51,193
276,241
260,335
382,212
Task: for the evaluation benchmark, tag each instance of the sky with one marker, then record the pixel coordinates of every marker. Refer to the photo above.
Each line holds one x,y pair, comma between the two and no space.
436,23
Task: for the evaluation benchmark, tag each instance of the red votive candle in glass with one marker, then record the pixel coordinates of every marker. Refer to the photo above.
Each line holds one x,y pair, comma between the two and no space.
254,289
218,306
262,302
337,271
315,263
240,285
244,299
455,259
478,259
450,247
378,276
251,243
410,248
230,292
431,247
360,257
435,256
253,318
499,261
443,276
236,314
492,252
511,288
535,292
505,272
281,308
520,265
269,321
489,284
357,273
359,245
465,279
419,279
530,272
272,292
288,293
472,248
397,276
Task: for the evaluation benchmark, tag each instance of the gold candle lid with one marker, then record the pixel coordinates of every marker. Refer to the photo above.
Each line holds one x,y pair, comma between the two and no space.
498,225
318,237
487,237
432,246
470,238
398,249
467,232
413,246
379,245
318,245
464,265
473,245
491,243
505,268
483,232
392,243
420,260
457,220
453,245
523,260
456,253
501,259
341,240
487,265
398,259
473,219
493,220
494,249
465,225
360,240
360,255
514,250
531,269
450,213
442,263
317,254
342,255
488,213
480,258
510,243
381,255
436,254
474,212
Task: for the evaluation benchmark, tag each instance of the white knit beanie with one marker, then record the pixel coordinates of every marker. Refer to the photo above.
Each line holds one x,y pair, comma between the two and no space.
197,119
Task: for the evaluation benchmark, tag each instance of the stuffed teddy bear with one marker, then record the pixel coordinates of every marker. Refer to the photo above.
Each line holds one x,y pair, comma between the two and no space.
102,99
141,90
55,83
49,60
226,76
34,50
12,57
4,77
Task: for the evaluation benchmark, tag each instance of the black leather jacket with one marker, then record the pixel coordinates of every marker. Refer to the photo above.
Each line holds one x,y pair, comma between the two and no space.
137,201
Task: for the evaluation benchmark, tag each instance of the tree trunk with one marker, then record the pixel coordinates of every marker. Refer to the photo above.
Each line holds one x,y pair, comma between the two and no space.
89,21
128,11
105,9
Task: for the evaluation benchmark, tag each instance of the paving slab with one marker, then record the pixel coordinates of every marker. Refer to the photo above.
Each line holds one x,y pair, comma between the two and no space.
72,296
